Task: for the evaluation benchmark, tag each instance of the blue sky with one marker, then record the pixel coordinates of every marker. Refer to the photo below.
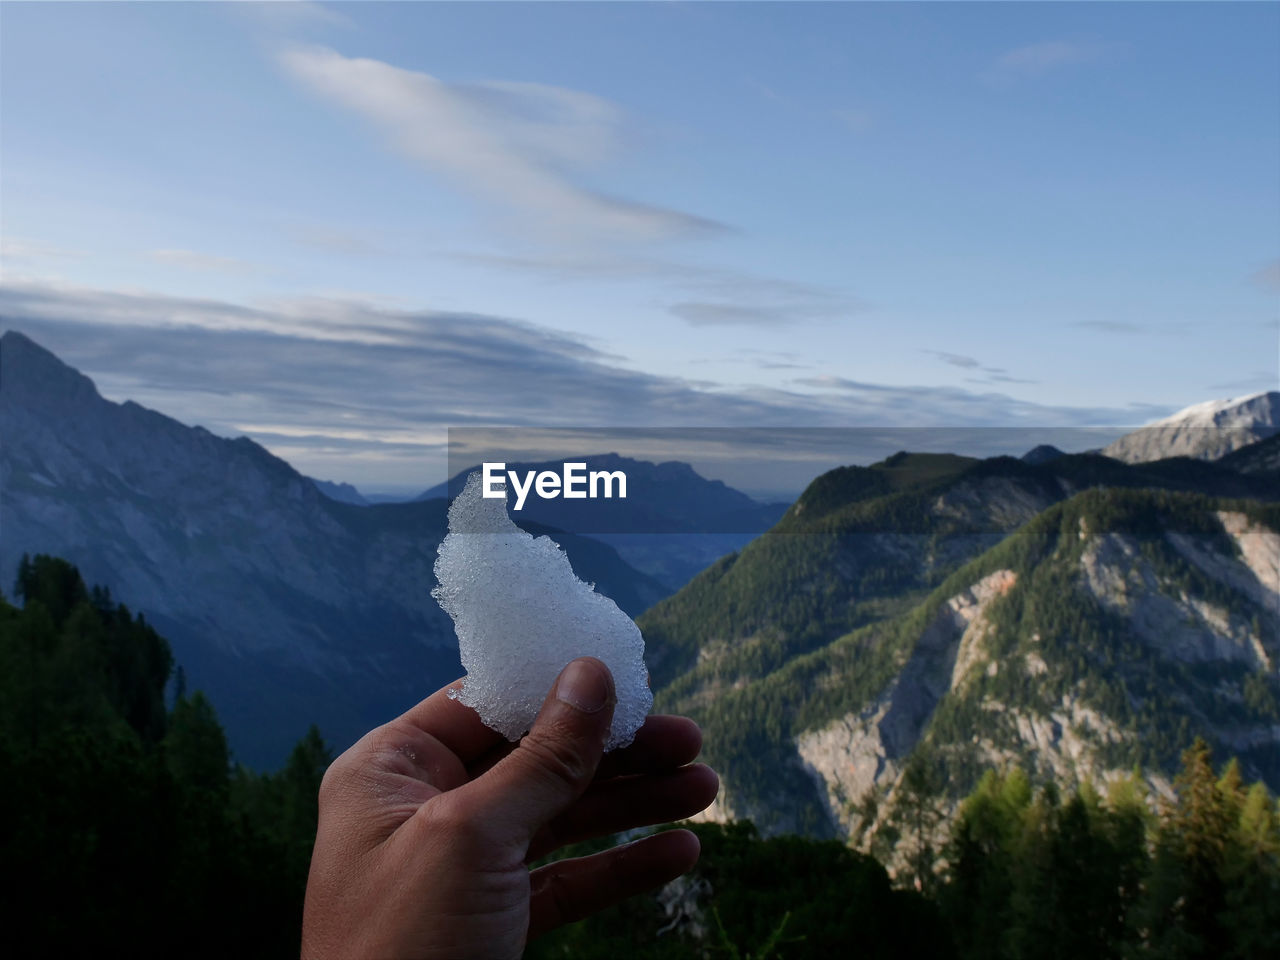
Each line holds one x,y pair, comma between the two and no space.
344,228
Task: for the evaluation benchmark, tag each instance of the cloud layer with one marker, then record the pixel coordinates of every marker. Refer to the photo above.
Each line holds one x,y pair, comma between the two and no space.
334,383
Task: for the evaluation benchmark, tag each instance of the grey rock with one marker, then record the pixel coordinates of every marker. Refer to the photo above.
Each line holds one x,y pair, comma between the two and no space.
1205,431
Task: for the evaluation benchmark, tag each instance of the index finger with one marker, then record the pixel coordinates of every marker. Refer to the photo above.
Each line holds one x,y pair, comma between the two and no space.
455,725
662,743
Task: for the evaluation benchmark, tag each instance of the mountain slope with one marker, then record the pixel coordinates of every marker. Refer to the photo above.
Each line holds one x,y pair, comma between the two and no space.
865,543
1110,631
286,606
1205,430
342,492
1259,459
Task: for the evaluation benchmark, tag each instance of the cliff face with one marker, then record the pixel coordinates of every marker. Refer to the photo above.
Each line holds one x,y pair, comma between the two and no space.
1107,632
1208,638
863,753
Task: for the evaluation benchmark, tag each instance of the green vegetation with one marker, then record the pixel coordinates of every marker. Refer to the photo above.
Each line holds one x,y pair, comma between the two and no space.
861,545
1023,874
1089,654
1038,875
763,898
127,828
866,544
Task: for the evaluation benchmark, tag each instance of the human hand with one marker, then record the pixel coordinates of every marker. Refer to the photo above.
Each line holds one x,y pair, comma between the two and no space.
428,824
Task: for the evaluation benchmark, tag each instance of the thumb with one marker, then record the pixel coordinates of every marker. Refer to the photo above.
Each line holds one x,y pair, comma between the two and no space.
556,760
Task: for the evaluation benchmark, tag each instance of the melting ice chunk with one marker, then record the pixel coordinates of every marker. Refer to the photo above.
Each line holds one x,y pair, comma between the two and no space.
521,614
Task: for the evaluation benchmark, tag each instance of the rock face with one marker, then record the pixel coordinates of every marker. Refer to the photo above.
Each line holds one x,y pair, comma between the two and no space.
863,752
1107,632
1180,625
1206,431
286,606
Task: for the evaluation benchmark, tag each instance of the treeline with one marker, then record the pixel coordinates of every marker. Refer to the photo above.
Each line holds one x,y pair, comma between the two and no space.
1034,874
756,899
1023,874
126,828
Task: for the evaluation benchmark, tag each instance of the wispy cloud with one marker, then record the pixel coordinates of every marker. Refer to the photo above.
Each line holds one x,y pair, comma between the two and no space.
1128,327
720,296
204,262
955,359
998,378
1110,326
989,374
720,281
854,119
1259,380
907,405
782,365
765,90
1036,59
331,239
28,252
709,314
290,15
522,145
1268,277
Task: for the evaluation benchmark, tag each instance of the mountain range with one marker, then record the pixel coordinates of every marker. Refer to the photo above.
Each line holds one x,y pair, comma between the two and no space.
1077,617
1072,613
285,605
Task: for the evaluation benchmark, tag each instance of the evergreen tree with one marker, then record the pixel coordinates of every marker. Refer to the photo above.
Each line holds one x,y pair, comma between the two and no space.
976,900
915,820
1186,895
133,832
120,816
1251,875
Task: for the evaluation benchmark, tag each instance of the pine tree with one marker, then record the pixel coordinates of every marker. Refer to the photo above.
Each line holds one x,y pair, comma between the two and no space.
1186,896
915,819
980,857
1251,874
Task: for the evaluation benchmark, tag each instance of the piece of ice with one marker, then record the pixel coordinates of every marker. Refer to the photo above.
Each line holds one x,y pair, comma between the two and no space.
521,615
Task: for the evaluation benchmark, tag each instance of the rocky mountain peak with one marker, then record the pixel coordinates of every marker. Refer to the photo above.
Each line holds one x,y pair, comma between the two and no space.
1256,409
1205,431
36,380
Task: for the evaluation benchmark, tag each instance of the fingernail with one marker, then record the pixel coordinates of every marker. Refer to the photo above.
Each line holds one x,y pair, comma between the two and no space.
583,685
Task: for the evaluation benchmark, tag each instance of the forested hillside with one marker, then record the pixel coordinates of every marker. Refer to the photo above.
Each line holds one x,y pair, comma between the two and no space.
135,834
864,543
875,629
126,824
